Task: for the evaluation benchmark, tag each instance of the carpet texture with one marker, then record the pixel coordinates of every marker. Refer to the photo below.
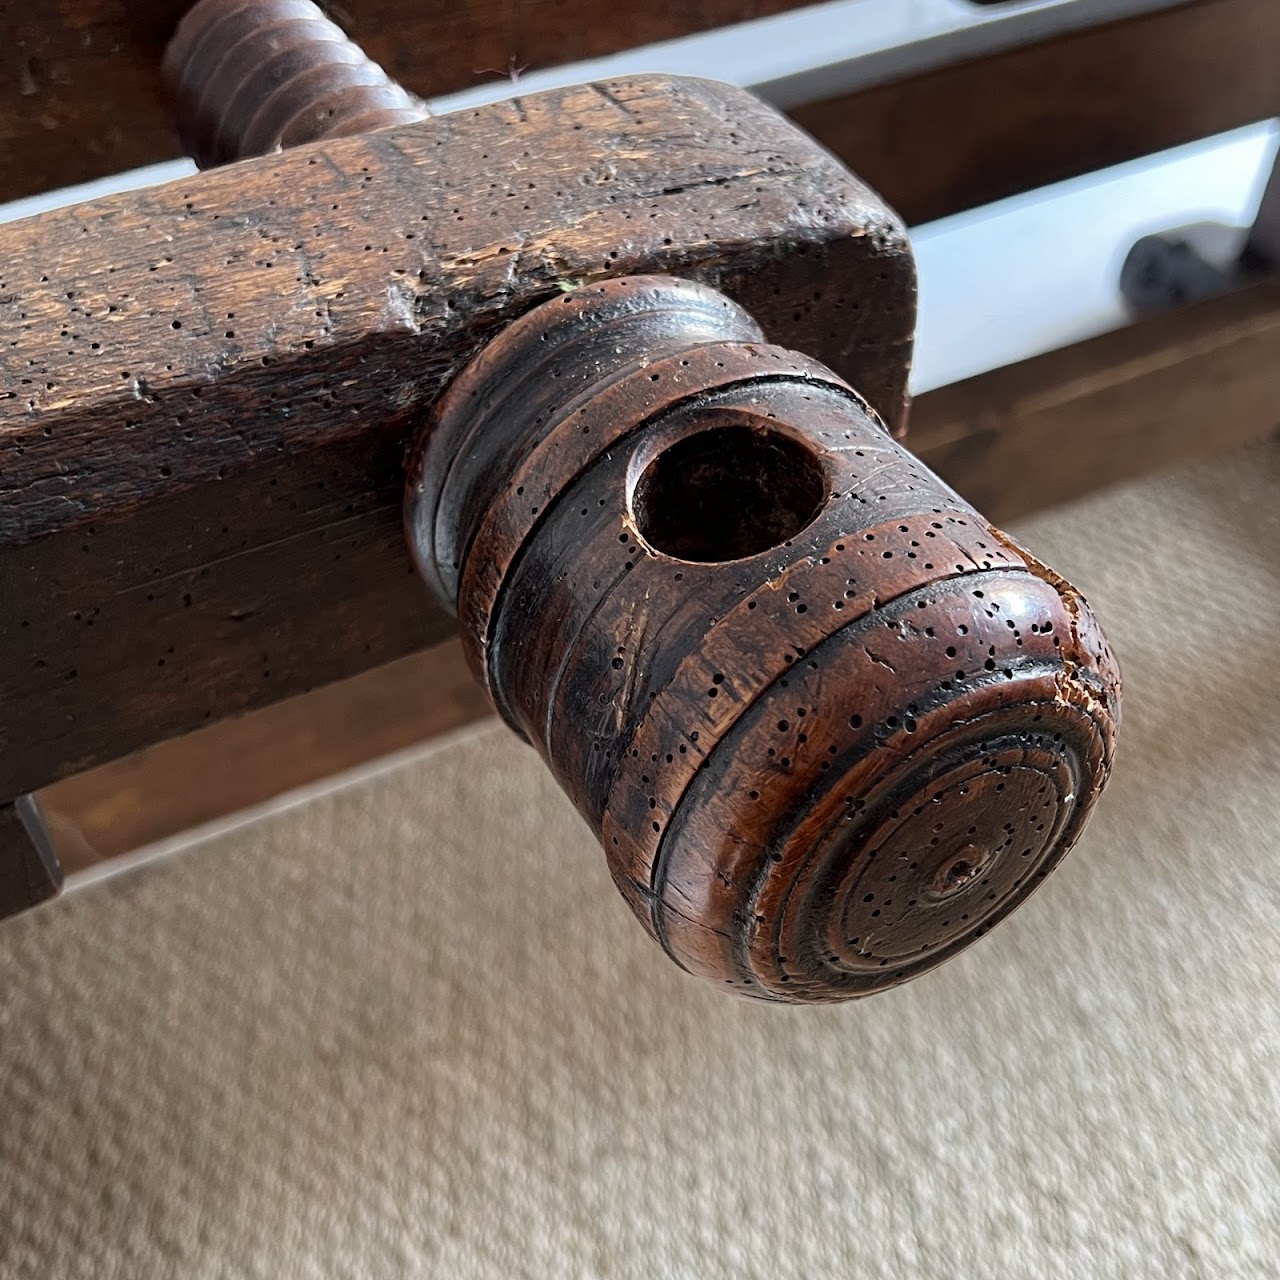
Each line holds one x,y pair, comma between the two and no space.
409,1029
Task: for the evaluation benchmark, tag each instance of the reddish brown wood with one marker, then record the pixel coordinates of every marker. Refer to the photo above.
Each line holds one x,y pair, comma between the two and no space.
746,863
210,385
829,724
254,76
1128,402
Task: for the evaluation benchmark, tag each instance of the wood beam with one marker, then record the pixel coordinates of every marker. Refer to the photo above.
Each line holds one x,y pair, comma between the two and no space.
208,387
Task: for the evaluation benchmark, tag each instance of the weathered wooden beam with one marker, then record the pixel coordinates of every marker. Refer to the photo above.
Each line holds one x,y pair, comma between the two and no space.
208,387
81,94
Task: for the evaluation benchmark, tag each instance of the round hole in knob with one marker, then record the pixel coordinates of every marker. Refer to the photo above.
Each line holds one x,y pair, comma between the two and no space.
728,493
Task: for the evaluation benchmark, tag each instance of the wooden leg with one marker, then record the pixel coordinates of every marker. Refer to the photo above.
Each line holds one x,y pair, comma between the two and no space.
29,869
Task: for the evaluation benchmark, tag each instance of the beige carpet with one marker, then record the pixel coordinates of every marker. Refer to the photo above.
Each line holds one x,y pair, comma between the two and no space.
409,1028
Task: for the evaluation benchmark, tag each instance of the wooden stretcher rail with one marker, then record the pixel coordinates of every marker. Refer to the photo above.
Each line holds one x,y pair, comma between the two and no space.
239,764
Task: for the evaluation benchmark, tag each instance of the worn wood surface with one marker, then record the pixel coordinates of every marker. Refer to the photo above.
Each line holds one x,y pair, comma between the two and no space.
1181,385
829,725
208,386
81,94
245,761
978,131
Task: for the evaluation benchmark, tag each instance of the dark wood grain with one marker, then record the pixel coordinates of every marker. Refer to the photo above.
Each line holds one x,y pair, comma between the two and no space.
81,94
828,723
1128,402
978,131
208,386
29,869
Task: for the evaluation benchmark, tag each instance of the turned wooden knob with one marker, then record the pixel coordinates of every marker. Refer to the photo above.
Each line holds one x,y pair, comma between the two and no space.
828,723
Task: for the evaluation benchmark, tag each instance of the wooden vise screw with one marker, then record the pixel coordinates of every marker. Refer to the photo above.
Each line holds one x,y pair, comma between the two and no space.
828,723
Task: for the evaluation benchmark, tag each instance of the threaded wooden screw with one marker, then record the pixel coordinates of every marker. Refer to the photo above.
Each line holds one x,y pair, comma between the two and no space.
256,76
